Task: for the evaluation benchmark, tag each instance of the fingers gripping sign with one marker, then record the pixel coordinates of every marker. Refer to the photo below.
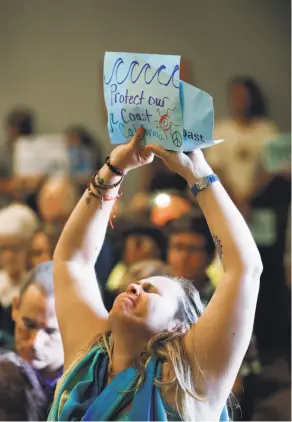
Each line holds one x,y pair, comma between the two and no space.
132,155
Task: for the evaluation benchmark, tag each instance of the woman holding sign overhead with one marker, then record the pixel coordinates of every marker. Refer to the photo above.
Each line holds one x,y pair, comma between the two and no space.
153,356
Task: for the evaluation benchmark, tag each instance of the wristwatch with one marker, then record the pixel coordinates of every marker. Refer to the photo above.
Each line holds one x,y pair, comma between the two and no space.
204,183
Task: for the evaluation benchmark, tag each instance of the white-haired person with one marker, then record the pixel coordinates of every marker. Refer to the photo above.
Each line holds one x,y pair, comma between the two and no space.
17,226
153,356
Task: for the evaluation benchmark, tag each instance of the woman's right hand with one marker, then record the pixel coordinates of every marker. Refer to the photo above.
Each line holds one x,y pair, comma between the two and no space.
190,167
131,155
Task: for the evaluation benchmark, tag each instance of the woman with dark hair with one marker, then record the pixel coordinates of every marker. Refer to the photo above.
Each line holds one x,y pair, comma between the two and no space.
246,100
153,357
245,132
41,247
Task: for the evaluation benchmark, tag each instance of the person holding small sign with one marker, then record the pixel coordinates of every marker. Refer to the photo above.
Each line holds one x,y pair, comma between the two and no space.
156,355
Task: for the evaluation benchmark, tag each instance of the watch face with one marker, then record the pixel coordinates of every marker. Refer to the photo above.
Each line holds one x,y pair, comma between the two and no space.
202,184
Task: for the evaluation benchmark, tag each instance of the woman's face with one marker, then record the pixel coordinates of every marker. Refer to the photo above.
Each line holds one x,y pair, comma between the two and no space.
150,305
187,256
73,138
13,255
54,200
40,249
238,99
139,247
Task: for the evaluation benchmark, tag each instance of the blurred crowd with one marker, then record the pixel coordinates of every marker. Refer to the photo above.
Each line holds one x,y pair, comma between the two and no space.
161,231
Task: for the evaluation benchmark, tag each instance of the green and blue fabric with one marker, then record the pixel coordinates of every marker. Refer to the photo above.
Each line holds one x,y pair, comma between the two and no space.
84,395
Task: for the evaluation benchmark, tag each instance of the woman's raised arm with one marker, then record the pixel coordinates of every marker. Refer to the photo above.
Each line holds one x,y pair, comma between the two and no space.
219,340
80,309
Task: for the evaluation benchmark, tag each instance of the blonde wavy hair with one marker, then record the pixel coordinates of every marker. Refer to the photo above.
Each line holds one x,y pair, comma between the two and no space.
165,346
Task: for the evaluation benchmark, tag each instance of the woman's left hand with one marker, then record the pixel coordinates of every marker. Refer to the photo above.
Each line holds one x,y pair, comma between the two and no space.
132,155
189,166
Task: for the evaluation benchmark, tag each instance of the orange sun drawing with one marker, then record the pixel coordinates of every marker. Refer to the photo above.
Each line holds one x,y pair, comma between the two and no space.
164,123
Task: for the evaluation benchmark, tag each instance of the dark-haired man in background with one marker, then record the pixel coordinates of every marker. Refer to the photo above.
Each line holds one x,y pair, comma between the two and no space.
37,336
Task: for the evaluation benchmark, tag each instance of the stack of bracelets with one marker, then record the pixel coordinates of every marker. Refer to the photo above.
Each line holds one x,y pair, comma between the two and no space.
97,183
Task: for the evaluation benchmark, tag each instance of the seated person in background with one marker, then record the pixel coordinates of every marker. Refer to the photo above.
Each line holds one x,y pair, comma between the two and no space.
142,270
191,249
22,398
18,122
245,132
17,225
37,337
140,242
56,200
84,154
42,247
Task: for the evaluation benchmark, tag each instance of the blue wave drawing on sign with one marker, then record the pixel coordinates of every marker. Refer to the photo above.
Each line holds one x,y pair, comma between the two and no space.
145,68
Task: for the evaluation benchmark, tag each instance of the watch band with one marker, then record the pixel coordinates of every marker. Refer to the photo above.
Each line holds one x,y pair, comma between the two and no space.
204,183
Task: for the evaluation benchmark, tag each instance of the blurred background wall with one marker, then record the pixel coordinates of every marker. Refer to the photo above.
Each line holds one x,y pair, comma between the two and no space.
51,51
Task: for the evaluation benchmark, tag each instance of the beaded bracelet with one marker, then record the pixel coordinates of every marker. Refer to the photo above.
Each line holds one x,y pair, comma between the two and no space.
101,197
101,184
113,168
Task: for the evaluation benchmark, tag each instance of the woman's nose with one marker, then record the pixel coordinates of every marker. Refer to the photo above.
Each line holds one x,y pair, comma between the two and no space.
133,289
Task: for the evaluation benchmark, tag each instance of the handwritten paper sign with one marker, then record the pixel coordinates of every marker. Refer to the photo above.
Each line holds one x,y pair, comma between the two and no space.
145,90
198,118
